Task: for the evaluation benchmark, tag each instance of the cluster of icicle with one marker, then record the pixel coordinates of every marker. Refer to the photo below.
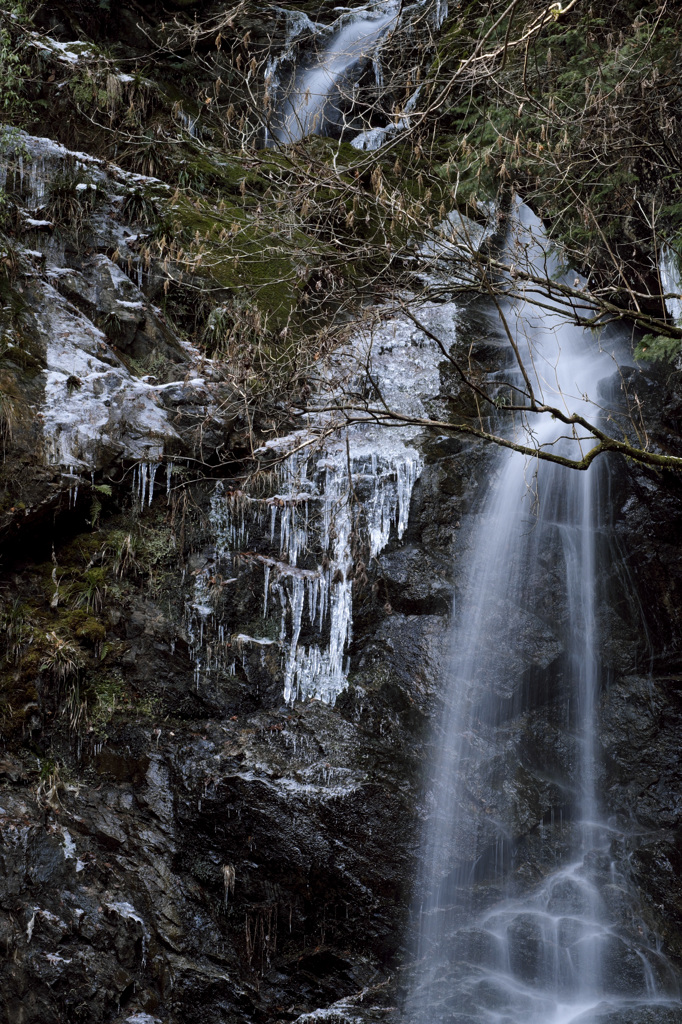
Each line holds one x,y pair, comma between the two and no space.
144,476
307,529
671,282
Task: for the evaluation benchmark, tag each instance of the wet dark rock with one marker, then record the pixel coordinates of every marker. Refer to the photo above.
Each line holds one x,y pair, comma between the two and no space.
622,969
398,665
526,948
417,582
477,947
637,1015
567,896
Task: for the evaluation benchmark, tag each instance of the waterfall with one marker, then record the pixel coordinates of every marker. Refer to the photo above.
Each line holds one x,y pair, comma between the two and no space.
321,86
494,946
316,89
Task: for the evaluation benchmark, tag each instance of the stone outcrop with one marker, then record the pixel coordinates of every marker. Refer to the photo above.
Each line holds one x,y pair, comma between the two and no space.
179,843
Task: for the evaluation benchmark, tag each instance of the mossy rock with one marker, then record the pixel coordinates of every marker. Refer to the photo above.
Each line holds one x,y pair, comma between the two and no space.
84,627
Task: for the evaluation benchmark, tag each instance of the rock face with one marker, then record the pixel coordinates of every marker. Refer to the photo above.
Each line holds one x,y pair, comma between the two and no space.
205,850
210,853
180,843
96,377
640,710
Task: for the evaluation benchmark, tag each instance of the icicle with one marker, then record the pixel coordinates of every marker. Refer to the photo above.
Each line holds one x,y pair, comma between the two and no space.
671,282
314,586
144,468
265,595
297,596
153,466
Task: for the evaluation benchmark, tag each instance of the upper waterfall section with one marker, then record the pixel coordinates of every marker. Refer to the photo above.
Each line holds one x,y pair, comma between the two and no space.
323,85
312,99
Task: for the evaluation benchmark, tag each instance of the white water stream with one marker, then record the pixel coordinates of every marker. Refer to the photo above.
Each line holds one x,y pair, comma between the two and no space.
326,82
529,609
317,88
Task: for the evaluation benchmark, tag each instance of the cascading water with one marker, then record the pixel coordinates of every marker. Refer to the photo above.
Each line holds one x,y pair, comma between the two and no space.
317,88
498,944
494,946
324,84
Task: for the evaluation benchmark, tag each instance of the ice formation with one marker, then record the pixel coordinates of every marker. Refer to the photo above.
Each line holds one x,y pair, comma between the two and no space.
95,407
671,282
330,509
308,533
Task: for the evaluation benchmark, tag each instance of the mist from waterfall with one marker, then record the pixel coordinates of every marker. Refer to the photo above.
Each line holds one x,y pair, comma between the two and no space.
493,948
